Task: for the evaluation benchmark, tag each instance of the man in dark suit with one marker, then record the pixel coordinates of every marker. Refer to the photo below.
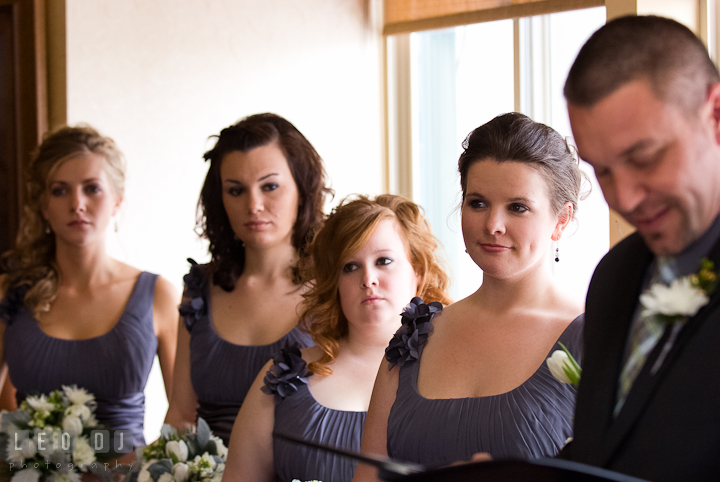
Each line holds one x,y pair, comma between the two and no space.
644,104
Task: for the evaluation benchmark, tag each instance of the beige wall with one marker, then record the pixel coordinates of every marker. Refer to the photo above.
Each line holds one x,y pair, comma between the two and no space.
160,76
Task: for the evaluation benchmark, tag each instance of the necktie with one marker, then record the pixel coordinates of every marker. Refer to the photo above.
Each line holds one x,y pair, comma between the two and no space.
644,335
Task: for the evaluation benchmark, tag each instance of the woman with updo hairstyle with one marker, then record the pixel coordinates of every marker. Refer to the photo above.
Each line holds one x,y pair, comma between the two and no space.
72,315
261,202
370,258
479,382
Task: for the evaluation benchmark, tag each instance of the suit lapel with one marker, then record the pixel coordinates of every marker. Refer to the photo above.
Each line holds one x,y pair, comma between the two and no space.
646,384
613,305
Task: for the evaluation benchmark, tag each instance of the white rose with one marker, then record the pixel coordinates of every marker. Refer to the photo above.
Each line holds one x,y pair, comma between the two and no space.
71,422
556,362
220,446
179,449
80,411
144,476
180,472
26,475
166,477
27,448
84,454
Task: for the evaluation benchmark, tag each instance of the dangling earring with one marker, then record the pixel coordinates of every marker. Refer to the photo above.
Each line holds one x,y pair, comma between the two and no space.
116,229
557,252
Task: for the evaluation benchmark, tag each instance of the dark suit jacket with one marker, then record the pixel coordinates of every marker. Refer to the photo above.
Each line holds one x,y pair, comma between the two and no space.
669,427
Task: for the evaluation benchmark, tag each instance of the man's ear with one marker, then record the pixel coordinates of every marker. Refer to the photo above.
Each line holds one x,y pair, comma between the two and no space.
563,219
712,104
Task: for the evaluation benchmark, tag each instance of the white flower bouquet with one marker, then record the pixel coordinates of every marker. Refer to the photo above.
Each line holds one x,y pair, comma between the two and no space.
182,456
48,437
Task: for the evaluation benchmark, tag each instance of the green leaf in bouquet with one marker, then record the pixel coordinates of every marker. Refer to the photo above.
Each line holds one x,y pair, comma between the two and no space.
203,432
211,447
155,450
101,472
11,420
168,432
160,467
3,446
194,448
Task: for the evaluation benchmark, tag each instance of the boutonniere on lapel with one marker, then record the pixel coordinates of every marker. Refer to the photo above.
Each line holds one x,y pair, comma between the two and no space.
673,305
684,297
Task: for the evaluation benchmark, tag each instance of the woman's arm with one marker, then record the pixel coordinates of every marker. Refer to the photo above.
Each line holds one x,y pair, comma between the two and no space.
375,437
182,411
250,455
165,306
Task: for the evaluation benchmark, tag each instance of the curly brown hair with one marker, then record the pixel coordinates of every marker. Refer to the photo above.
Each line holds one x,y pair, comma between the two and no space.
345,232
308,171
32,262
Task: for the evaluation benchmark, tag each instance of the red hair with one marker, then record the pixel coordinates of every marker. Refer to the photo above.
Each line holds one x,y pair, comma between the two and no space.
345,232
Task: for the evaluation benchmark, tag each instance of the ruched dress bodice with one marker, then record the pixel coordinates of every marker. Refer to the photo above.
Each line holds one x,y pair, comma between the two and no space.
298,414
222,372
531,421
114,366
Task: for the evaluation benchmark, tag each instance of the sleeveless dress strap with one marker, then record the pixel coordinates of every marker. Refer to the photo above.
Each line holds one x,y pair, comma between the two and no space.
143,296
287,373
412,335
194,305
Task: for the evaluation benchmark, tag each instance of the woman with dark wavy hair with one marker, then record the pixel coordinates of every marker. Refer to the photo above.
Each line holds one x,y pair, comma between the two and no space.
478,381
72,315
369,259
261,202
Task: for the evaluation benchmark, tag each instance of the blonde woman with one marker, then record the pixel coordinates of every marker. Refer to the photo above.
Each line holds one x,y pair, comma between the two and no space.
71,314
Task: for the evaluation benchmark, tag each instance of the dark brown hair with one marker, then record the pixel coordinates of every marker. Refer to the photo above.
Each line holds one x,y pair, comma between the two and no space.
346,231
306,166
659,50
515,137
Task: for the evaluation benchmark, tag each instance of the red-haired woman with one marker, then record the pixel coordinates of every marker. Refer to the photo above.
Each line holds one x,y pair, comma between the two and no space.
367,262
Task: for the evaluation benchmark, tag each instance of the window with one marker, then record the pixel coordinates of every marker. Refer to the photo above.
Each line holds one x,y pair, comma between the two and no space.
444,83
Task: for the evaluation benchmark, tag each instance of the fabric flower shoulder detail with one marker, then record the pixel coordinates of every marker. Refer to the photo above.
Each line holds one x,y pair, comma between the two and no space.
13,302
193,306
416,326
288,372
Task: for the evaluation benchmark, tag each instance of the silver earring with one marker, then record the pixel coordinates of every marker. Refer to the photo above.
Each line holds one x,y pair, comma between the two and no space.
48,229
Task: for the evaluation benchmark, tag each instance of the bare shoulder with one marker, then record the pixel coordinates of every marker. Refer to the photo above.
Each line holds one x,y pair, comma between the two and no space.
566,308
166,293
124,271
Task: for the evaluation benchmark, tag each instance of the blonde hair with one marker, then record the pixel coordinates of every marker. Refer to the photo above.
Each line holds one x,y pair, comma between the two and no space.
346,231
32,262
